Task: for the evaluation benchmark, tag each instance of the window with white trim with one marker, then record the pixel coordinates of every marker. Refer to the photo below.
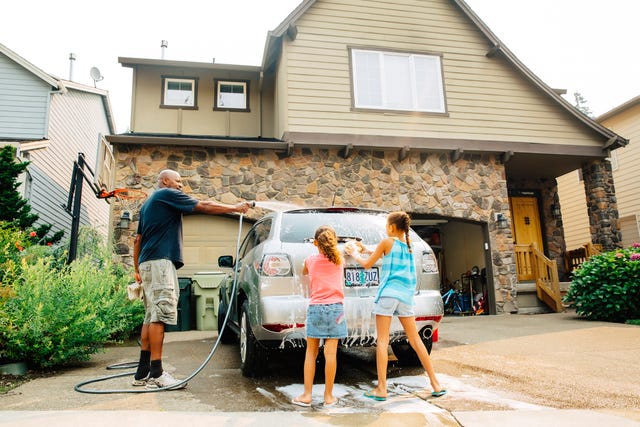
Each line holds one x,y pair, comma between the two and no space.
179,92
232,95
397,81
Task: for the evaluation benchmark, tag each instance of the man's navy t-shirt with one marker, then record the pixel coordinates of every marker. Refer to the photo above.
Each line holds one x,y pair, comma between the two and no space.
161,225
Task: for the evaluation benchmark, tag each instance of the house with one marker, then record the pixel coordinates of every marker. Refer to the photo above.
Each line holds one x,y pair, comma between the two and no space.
50,121
624,120
394,105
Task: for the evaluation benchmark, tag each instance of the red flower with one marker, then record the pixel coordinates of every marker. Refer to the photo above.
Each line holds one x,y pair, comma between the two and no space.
32,234
49,244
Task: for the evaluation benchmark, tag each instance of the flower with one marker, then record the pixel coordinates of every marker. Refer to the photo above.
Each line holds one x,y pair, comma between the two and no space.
619,255
636,245
635,257
32,234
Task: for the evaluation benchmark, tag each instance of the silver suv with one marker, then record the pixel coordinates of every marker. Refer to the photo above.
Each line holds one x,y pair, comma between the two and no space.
269,307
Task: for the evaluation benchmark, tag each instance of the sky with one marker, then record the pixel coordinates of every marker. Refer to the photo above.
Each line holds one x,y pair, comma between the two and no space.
584,46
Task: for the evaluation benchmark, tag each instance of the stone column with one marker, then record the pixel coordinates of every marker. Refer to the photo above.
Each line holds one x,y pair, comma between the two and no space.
602,204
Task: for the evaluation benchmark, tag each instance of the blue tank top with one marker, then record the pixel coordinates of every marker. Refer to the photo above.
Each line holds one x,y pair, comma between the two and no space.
398,278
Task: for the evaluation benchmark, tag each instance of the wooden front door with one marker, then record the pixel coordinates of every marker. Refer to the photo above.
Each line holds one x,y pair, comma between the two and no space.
525,223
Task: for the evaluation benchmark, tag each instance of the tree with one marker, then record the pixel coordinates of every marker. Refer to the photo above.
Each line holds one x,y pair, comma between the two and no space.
581,104
13,207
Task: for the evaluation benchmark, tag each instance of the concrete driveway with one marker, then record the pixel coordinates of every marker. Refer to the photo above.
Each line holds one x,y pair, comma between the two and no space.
546,369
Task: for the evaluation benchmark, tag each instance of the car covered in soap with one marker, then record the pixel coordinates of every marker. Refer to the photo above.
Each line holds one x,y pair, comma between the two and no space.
268,307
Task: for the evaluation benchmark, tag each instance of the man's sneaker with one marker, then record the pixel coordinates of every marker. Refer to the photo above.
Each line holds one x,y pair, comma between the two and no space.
141,382
165,380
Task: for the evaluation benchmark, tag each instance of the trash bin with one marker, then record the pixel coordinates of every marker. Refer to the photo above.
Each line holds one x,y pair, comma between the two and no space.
184,306
207,299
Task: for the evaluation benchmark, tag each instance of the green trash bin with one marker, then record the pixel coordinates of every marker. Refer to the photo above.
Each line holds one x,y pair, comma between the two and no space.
184,306
206,284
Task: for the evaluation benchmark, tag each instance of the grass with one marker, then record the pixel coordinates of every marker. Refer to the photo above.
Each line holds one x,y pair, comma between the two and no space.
633,322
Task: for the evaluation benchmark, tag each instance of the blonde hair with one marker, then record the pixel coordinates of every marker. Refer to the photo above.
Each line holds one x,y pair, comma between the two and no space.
402,221
327,242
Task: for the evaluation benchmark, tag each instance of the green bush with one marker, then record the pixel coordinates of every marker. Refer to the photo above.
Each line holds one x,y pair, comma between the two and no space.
58,315
607,286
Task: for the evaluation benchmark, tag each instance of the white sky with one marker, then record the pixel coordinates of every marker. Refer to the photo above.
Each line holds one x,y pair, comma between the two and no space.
587,46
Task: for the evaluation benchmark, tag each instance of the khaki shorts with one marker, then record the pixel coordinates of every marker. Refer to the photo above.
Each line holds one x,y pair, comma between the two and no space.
160,284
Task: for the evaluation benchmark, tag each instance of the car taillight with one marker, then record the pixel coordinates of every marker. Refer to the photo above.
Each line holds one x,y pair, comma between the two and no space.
275,265
429,263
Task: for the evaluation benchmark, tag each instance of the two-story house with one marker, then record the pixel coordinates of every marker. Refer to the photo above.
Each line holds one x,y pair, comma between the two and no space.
399,104
50,121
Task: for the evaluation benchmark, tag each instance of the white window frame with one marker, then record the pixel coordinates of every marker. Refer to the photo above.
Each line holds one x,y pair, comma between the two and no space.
190,102
238,106
435,84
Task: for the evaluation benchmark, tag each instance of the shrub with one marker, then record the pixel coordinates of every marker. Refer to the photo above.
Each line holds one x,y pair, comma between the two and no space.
58,315
607,286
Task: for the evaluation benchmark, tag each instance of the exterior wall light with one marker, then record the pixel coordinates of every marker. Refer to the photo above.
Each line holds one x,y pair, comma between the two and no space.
502,221
556,213
125,219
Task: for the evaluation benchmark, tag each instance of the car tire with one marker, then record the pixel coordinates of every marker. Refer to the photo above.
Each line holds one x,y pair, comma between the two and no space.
405,354
226,335
253,358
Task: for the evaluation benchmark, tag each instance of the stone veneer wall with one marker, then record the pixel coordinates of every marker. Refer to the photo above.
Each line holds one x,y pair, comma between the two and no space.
602,204
472,188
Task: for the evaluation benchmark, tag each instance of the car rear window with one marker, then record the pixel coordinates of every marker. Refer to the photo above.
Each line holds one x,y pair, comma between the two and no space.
298,226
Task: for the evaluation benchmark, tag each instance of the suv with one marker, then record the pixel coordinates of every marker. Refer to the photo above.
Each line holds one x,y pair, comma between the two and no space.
269,306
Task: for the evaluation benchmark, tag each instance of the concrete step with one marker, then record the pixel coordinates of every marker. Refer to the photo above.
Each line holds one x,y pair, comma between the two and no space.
528,302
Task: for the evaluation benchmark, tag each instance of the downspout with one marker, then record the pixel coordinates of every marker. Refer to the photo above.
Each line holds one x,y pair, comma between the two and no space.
261,100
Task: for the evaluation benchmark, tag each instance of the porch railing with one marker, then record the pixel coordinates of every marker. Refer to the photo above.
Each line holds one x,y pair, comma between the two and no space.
534,265
575,257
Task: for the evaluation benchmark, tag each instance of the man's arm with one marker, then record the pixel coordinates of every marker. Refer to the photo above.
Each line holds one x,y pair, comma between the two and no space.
136,253
210,207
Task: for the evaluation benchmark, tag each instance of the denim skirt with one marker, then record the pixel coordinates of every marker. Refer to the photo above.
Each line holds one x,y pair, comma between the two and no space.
326,321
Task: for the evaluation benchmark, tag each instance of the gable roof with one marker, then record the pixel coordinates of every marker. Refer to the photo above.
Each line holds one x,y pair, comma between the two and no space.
496,47
619,109
62,85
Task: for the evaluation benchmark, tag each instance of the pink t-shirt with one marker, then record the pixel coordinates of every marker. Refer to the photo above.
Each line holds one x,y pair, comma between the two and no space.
326,280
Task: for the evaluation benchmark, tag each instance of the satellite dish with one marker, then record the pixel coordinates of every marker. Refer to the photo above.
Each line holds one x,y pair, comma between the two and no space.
95,75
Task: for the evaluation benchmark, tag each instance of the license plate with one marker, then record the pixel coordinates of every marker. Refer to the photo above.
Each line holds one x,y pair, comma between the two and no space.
356,277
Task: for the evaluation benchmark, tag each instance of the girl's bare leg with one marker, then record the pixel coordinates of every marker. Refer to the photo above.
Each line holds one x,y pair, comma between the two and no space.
330,367
309,369
382,353
410,329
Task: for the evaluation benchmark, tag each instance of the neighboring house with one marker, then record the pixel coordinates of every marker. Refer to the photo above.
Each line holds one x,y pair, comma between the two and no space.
50,121
625,121
394,105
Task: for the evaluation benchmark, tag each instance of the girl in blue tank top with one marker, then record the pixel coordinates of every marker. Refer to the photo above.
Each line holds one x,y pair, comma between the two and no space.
395,297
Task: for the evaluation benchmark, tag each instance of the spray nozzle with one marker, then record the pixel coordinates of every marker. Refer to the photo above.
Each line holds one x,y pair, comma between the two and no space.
252,204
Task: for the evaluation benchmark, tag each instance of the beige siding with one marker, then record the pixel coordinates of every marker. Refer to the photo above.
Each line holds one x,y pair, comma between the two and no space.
486,99
282,94
149,117
630,229
625,177
573,203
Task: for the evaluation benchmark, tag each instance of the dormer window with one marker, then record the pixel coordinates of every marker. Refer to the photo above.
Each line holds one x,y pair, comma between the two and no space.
397,81
232,95
179,92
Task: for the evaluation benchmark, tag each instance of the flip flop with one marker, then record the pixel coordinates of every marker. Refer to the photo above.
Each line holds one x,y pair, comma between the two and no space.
439,393
370,395
329,405
295,401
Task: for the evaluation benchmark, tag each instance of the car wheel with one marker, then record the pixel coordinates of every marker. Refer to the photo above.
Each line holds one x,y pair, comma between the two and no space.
253,358
405,354
226,335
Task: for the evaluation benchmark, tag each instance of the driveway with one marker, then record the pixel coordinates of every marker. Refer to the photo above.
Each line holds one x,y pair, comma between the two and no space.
499,370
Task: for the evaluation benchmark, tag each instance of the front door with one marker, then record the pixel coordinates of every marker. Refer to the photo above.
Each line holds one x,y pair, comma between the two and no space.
526,231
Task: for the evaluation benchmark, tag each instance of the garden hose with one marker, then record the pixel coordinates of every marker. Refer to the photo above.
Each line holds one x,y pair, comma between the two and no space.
79,387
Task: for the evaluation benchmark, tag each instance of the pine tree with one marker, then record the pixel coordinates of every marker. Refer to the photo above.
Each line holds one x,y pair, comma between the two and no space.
13,207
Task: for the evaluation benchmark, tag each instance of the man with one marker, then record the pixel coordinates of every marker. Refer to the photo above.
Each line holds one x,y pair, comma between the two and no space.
157,254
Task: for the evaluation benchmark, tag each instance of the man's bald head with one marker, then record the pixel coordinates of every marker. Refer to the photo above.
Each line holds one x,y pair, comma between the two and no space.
169,178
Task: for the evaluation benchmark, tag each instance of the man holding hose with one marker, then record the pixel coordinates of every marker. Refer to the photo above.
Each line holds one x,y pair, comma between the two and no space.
157,255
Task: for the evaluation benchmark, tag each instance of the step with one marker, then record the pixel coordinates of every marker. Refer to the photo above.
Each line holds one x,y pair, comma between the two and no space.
528,302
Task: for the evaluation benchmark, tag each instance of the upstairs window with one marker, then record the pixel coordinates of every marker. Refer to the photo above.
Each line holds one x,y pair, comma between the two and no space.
232,95
179,92
397,81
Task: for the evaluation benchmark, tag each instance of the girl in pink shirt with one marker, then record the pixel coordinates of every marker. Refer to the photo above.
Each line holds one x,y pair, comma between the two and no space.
325,314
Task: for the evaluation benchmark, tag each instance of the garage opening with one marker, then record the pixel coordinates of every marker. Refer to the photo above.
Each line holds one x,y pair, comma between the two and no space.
462,250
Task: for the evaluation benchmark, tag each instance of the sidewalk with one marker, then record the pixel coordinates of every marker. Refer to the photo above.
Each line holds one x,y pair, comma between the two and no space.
569,361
